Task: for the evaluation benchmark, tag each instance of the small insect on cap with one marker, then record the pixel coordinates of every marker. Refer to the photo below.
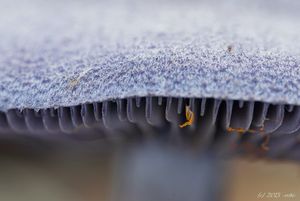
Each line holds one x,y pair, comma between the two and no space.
229,48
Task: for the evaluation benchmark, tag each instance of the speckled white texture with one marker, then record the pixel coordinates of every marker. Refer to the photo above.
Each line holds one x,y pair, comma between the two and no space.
62,53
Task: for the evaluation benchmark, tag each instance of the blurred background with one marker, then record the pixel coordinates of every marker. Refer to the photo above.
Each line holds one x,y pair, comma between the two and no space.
33,169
